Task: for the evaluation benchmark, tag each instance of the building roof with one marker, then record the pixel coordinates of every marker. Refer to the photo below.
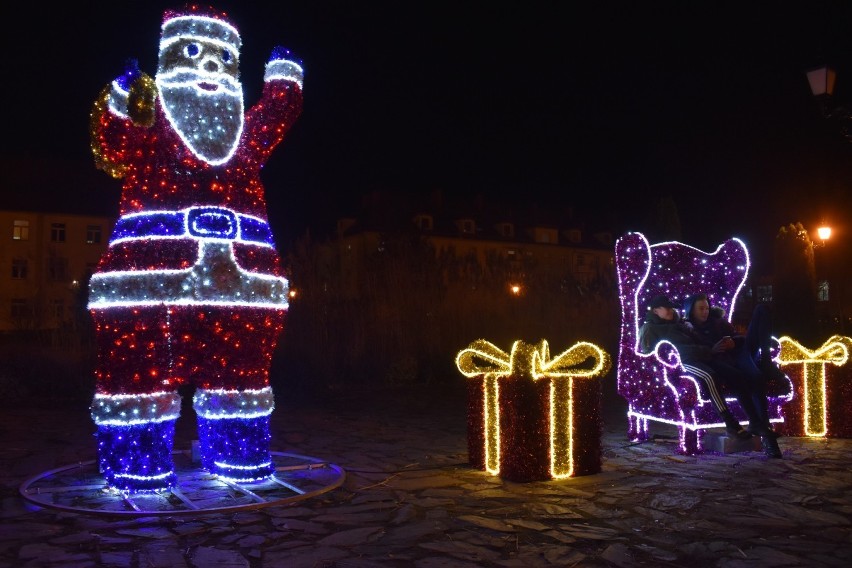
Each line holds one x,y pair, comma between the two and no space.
385,212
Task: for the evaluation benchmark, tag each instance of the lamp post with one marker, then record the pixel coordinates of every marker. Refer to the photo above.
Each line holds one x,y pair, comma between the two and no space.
823,280
822,81
829,285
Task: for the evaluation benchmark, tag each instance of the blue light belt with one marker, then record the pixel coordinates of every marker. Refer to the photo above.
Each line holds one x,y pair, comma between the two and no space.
196,222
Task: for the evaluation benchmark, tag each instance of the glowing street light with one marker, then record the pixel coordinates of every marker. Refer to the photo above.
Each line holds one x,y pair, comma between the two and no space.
824,233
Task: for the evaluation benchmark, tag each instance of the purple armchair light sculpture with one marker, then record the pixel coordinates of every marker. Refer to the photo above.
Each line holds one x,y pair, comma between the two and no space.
655,385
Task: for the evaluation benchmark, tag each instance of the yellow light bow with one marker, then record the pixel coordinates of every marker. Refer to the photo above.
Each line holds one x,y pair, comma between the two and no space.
483,358
834,351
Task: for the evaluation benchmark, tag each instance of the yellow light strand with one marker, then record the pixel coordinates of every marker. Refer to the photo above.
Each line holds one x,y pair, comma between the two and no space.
816,422
561,428
491,416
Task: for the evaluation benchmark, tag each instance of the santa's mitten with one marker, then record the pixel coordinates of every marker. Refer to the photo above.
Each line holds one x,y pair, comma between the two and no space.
120,87
130,74
132,94
284,66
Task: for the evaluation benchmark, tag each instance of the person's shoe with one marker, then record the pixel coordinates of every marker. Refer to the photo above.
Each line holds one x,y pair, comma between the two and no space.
763,431
733,428
770,447
738,433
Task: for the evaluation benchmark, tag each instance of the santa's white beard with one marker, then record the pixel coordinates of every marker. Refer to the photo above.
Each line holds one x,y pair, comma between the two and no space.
209,123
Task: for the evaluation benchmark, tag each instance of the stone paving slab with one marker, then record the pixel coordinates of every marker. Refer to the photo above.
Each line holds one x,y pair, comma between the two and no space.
411,499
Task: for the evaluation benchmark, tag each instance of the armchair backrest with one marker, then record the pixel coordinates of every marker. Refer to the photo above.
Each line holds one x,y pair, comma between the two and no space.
677,270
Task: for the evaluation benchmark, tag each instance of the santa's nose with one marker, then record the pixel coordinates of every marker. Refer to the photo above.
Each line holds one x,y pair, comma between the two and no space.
211,65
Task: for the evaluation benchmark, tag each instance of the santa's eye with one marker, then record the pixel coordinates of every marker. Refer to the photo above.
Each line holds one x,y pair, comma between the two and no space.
226,56
191,50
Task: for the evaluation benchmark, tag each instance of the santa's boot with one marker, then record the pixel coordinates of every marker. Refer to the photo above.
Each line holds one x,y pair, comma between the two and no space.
135,438
233,433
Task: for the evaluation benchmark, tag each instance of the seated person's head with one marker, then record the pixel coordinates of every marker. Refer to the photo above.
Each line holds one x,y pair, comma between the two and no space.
662,307
696,308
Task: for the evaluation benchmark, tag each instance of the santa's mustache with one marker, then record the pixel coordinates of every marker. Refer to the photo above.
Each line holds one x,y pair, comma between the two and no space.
182,78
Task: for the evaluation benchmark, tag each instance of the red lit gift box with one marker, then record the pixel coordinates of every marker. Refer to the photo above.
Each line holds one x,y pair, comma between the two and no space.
530,417
823,388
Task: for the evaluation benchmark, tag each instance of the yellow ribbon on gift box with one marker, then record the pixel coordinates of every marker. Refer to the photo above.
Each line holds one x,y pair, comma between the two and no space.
835,351
483,358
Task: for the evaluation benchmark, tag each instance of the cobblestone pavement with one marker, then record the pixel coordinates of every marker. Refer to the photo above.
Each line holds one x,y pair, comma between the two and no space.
410,499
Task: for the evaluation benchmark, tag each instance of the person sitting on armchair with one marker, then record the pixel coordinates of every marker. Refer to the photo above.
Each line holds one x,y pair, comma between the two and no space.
662,322
749,353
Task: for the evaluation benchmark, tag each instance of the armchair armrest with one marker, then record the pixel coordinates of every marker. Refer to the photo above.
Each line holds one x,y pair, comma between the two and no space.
667,354
680,381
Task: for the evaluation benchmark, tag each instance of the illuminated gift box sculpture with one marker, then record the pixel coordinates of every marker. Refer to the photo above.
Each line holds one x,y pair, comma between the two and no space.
825,407
191,289
656,385
530,417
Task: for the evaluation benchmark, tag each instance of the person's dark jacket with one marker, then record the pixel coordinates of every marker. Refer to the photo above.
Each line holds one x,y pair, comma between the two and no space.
655,329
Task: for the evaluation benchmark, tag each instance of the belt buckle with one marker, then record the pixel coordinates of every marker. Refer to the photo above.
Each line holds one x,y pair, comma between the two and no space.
212,223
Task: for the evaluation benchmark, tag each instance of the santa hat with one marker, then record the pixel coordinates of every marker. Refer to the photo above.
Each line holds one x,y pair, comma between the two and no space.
201,23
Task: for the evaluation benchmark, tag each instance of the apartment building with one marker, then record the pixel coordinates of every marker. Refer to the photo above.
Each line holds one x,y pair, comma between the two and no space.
45,261
474,245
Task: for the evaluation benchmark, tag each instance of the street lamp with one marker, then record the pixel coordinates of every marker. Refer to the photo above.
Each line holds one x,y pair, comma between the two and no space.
824,233
822,81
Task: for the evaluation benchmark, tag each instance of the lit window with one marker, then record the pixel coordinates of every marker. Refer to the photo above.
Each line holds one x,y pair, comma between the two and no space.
21,230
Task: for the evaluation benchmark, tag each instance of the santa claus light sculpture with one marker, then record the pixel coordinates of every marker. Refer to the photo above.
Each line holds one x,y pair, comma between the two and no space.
190,290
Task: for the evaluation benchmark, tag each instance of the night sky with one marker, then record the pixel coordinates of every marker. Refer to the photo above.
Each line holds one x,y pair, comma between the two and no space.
603,109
